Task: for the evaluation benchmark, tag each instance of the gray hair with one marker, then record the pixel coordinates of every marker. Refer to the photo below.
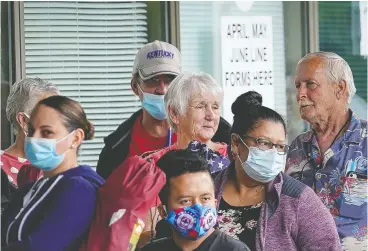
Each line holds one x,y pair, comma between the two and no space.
337,69
184,87
24,96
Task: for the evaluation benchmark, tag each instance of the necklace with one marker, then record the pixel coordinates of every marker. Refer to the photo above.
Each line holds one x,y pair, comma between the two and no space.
342,128
257,192
337,135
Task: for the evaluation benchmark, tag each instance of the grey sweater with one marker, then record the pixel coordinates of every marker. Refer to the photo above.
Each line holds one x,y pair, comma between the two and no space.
292,217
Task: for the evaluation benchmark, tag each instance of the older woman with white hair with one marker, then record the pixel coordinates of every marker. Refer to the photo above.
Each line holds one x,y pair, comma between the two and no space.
23,97
193,103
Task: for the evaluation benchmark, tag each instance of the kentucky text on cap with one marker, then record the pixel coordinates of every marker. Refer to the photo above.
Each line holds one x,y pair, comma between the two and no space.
157,58
160,54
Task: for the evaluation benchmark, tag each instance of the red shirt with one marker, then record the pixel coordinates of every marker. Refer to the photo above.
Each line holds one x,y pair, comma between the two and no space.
223,149
11,165
141,141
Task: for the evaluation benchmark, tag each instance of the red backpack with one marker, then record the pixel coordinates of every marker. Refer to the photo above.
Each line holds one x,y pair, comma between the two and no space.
123,203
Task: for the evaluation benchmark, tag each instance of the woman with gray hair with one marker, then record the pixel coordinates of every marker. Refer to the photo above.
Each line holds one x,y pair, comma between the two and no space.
23,97
193,104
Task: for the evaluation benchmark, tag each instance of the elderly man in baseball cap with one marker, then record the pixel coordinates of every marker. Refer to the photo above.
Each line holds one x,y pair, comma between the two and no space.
155,66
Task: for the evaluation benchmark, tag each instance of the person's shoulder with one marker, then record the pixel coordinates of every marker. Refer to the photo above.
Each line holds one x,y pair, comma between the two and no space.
12,161
82,177
122,129
303,137
363,122
4,156
154,156
291,187
364,128
223,132
358,132
128,123
305,196
355,118
76,185
297,145
129,165
158,245
224,122
226,242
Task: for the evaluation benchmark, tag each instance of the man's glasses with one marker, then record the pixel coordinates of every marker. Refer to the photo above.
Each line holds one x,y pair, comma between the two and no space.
264,144
167,79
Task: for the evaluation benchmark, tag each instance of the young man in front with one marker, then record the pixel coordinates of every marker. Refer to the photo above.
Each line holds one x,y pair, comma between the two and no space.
189,206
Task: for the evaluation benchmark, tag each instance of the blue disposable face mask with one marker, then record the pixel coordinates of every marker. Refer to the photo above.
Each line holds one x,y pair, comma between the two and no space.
42,153
192,222
154,105
262,165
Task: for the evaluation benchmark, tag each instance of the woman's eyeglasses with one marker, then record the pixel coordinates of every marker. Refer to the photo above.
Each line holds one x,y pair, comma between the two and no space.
264,144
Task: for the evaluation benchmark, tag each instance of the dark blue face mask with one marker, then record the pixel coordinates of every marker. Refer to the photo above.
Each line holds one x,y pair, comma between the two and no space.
154,105
192,222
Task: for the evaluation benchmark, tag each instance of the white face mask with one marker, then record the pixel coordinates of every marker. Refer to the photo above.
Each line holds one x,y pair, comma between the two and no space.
263,165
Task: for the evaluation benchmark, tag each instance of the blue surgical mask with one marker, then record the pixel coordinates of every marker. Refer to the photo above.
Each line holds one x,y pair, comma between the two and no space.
263,165
192,222
42,153
154,105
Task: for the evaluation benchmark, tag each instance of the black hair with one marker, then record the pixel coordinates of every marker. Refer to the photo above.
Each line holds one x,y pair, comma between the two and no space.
178,162
72,113
248,112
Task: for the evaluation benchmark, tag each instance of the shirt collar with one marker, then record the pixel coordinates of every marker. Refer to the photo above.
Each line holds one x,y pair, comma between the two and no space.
273,194
352,134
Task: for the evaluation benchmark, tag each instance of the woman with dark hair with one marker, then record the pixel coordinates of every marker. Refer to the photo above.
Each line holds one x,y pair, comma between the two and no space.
259,204
54,212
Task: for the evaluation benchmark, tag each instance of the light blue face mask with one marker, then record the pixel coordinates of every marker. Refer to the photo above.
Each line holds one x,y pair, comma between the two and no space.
154,105
42,152
262,165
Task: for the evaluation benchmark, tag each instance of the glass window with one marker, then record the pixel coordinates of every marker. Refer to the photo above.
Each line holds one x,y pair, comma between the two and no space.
202,49
343,28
